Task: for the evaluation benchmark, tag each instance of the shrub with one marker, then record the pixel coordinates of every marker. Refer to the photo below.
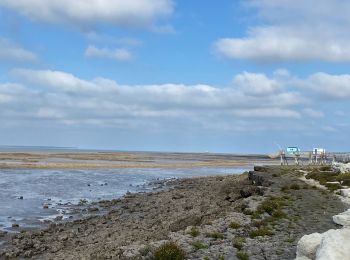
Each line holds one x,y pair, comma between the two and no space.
278,214
215,235
242,255
169,251
194,232
285,188
295,186
238,242
198,245
333,186
234,225
263,231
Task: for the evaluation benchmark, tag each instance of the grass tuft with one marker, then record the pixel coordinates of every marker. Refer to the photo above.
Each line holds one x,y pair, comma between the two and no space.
234,225
194,232
242,255
199,245
169,251
263,231
215,235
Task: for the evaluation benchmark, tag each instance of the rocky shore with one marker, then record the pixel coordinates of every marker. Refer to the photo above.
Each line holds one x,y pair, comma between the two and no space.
257,215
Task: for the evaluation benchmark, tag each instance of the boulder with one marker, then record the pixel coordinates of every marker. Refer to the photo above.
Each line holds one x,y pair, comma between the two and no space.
342,218
345,193
334,245
308,245
341,167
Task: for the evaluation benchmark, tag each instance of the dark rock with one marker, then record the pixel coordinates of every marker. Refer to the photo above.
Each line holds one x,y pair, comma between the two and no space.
177,196
58,218
246,192
20,197
260,169
15,225
259,178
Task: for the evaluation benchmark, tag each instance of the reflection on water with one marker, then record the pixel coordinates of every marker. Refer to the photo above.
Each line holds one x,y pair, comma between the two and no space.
23,193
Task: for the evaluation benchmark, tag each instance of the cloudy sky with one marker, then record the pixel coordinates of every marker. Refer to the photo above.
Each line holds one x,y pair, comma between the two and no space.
175,75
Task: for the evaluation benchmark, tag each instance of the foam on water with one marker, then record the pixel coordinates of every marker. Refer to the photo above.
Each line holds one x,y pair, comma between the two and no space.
58,187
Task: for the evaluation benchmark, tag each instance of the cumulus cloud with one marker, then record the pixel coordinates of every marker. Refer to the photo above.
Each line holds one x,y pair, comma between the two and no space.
257,84
71,100
119,54
87,13
327,85
9,51
294,30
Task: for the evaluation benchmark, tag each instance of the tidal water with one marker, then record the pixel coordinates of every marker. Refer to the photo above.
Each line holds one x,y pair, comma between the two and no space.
23,193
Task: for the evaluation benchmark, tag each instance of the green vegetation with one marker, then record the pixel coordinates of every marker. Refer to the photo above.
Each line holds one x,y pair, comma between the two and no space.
221,258
215,235
169,251
234,225
324,177
194,232
285,188
238,242
242,255
295,186
279,214
263,231
199,245
272,204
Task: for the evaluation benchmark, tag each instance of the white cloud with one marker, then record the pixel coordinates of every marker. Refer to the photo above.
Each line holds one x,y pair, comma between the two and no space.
313,113
294,30
9,51
327,85
67,98
119,54
257,84
87,13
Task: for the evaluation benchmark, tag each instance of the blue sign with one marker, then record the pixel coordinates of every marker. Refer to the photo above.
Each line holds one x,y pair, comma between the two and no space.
293,150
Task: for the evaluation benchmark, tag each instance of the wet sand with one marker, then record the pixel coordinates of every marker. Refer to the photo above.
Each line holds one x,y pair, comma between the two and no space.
111,160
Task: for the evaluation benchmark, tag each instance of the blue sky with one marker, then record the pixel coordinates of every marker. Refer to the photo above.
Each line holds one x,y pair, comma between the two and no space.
175,75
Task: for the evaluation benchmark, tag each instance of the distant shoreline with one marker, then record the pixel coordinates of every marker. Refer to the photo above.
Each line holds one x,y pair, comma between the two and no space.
111,160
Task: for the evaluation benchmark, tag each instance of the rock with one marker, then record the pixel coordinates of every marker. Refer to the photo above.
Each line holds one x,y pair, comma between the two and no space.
246,192
341,167
342,218
15,225
93,209
2,233
345,193
45,206
177,196
20,197
260,169
308,245
58,218
191,220
334,245
259,178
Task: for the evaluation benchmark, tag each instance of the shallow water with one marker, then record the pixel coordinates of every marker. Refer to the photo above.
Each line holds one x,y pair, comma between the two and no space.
58,187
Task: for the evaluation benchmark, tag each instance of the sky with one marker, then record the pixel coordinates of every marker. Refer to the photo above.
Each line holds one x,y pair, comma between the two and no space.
175,75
